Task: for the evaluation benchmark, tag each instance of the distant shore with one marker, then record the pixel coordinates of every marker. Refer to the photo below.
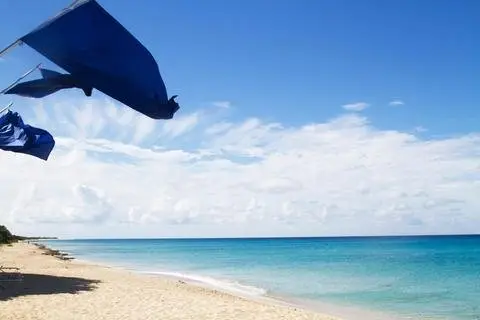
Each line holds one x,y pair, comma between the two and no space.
51,285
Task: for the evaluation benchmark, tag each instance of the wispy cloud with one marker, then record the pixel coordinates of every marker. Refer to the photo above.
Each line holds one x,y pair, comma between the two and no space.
222,104
396,103
420,129
180,125
247,177
358,106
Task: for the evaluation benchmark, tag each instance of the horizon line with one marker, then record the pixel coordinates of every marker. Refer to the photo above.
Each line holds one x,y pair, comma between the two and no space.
270,237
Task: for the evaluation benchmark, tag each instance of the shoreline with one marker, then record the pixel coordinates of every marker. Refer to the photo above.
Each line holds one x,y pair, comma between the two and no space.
339,312
58,286
265,297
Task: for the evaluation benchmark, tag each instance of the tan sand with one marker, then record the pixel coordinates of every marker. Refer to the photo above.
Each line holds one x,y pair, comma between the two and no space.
67,290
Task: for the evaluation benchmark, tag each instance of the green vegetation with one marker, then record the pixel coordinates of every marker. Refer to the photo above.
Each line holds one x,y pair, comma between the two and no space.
6,237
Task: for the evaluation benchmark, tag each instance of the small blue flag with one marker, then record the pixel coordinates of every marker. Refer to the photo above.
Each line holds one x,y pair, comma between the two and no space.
15,136
51,82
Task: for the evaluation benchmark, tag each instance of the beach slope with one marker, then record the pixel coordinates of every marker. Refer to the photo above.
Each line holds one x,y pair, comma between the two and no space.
54,288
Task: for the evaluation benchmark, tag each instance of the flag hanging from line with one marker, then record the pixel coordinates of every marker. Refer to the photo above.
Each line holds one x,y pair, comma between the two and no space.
16,136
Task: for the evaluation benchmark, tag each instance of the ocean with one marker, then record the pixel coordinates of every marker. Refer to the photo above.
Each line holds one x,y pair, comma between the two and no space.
417,277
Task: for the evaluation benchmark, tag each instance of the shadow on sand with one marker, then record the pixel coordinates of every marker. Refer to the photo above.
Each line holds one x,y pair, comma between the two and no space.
35,284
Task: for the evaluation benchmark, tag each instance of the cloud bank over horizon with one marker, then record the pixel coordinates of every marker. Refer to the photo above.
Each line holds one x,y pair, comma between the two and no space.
117,173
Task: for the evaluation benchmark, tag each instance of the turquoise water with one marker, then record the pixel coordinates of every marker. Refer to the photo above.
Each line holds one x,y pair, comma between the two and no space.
420,277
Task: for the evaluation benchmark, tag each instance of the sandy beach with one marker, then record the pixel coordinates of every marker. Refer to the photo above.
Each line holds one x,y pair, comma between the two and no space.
52,288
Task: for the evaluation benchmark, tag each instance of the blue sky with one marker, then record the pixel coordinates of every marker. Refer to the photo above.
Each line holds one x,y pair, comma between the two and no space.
299,61
286,125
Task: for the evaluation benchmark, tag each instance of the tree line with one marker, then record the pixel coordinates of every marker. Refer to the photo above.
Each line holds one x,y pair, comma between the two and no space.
6,237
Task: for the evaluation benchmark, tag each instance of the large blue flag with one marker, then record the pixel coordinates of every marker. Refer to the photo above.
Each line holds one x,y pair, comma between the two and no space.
98,52
16,136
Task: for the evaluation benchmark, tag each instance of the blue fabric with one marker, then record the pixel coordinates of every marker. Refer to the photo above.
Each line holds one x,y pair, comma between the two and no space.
18,137
52,82
99,52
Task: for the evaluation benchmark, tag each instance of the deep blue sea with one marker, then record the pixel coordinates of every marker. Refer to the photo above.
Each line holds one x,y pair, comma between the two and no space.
435,277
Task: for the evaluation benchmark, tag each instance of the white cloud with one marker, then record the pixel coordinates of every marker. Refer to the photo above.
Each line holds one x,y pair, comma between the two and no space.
420,129
222,104
396,103
180,125
106,177
358,106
